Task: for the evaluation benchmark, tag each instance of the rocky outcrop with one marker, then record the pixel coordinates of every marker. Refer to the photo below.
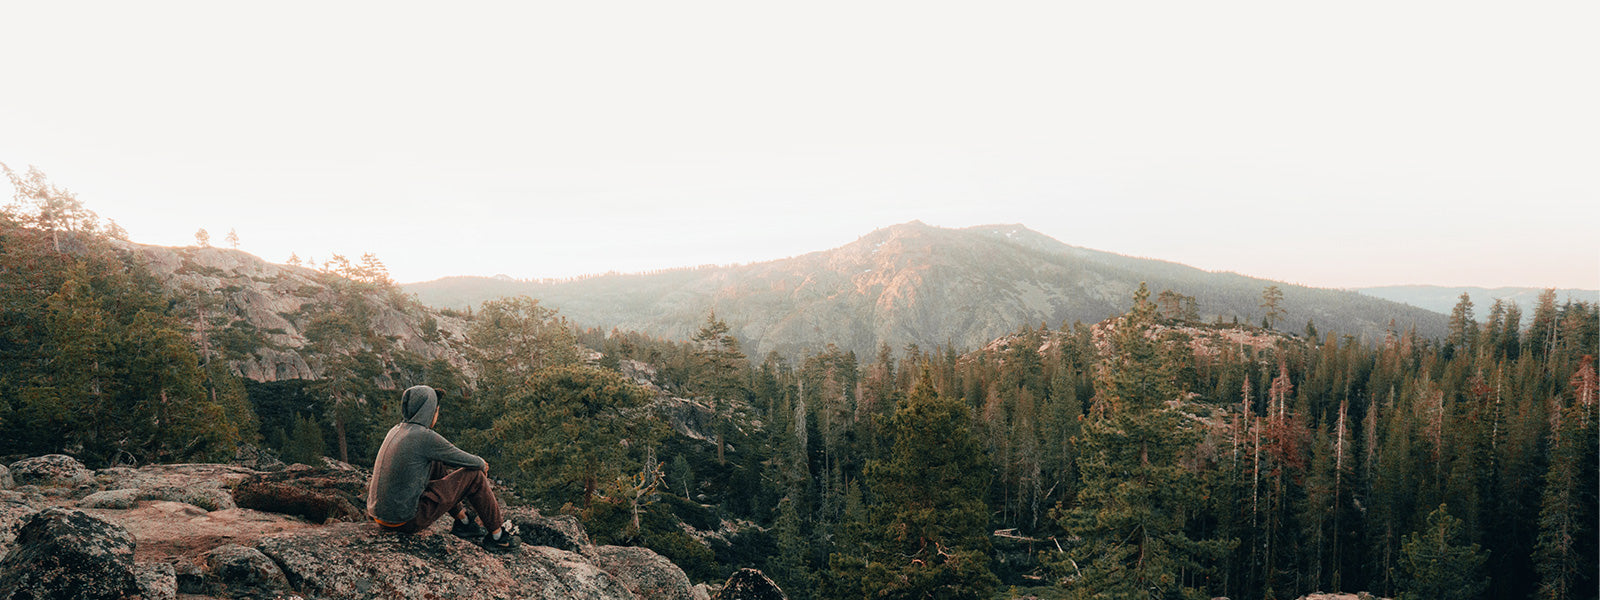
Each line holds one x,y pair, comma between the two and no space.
53,470
749,584
359,560
687,418
64,554
268,302
644,572
120,543
318,494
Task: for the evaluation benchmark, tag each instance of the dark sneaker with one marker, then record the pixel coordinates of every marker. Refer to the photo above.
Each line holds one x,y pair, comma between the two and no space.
469,530
508,539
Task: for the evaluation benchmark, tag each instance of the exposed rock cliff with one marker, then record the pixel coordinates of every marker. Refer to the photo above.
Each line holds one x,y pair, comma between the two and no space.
256,313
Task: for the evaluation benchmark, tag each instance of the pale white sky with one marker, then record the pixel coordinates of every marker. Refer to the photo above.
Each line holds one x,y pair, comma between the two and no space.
1334,144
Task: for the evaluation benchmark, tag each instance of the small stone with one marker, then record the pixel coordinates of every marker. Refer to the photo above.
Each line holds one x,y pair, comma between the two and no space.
157,581
112,499
235,569
190,577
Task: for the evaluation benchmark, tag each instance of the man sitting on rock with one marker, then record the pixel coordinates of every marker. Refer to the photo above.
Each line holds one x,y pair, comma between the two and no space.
412,484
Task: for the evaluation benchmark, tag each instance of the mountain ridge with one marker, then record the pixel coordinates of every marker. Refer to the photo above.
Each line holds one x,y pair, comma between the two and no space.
921,284
1443,298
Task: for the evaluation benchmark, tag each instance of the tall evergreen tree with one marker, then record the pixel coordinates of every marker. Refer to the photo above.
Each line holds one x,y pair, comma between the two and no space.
928,535
1136,495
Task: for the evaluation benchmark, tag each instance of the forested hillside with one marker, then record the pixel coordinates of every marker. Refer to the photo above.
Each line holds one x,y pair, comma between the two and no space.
917,284
1157,453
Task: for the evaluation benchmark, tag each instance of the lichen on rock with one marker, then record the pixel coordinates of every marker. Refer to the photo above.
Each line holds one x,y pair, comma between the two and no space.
62,553
51,470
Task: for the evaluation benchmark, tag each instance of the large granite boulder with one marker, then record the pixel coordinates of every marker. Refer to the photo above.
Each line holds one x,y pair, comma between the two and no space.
319,494
360,560
51,470
750,584
66,554
650,575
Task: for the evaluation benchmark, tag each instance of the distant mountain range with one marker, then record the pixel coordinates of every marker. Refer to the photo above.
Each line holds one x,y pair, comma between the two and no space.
914,283
1442,299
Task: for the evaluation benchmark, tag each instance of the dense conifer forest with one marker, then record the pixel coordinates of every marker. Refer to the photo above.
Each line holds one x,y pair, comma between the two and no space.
1148,456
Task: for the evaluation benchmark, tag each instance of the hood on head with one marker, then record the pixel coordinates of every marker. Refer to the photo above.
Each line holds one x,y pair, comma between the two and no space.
418,405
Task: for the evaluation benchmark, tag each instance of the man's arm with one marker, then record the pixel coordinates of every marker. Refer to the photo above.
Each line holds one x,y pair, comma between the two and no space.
444,451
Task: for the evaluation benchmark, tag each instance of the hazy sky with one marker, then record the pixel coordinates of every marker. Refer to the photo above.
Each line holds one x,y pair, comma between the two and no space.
1334,144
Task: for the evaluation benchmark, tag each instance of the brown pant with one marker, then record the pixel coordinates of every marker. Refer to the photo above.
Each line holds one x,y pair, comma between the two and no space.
446,489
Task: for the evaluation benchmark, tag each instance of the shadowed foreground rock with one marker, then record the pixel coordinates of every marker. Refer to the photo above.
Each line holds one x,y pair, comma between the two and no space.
62,553
316,493
749,584
358,560
562,532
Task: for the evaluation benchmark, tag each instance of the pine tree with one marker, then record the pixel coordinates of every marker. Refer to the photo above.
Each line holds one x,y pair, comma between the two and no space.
718,363
573,429
1564,554
789,567
202,238
232,238
1436,563
1135,497
1272,306
927,536
1463,328
305,442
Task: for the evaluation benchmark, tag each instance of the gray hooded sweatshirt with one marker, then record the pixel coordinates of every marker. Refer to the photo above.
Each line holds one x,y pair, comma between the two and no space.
400,474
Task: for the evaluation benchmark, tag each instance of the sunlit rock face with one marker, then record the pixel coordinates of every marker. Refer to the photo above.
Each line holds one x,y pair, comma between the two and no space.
269,307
